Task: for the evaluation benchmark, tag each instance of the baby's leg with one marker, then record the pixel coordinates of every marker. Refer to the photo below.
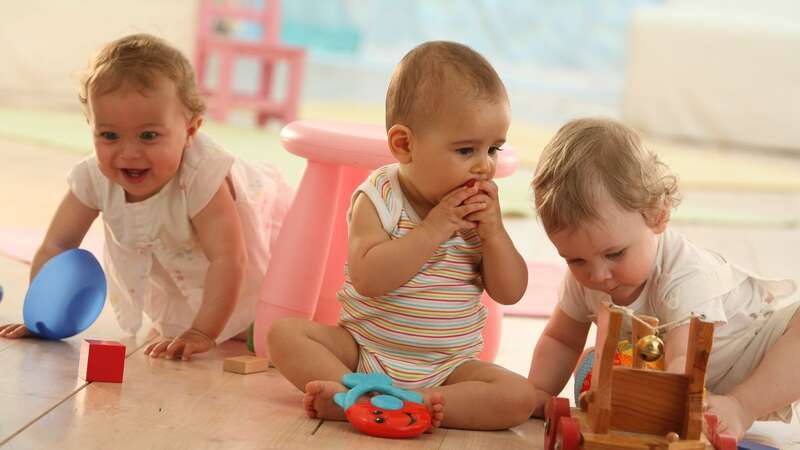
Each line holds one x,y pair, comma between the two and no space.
484,396
772,385
314,357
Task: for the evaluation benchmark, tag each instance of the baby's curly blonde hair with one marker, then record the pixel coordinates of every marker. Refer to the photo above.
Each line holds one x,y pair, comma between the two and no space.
137,58
589,155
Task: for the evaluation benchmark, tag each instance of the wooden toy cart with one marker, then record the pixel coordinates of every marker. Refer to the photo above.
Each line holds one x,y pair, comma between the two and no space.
634,407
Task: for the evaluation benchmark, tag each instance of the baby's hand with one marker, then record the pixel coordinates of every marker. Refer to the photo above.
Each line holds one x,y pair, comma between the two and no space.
14,330
447,217
488,219
182,347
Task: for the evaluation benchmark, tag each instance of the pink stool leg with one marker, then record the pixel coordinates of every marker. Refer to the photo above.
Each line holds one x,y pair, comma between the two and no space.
328,307
294,277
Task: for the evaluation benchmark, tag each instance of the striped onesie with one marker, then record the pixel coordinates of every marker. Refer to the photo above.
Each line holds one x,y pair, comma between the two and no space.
421,331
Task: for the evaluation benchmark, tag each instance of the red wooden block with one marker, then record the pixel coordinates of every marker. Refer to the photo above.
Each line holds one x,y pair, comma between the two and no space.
102,361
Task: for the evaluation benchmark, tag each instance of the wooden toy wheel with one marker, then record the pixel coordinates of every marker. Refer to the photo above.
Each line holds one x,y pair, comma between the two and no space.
569,434
556,408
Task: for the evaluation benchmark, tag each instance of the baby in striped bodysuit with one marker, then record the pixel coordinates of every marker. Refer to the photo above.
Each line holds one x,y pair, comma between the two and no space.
425,238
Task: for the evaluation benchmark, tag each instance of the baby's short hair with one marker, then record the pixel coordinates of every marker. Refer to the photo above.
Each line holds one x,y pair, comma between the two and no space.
137,59
592,154
429,73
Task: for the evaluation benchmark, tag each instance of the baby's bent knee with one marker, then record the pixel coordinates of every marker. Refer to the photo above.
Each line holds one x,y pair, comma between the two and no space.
284,328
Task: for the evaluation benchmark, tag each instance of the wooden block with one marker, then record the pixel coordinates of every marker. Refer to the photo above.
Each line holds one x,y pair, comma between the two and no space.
245,364
102,361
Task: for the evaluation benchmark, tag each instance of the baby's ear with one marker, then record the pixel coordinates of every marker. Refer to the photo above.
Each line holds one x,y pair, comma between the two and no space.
194,125
657,219
399,137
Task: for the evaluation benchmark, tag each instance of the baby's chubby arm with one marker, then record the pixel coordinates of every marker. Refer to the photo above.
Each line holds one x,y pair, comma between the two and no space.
555,356
505,273
67,229
220,233
378,264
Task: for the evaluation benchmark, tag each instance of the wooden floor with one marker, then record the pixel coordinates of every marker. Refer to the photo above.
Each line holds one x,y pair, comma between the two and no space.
170,404
167,404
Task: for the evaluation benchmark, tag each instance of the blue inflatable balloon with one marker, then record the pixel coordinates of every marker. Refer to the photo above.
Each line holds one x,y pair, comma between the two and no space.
66,296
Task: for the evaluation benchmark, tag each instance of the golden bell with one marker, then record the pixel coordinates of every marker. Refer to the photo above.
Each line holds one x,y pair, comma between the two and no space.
650,348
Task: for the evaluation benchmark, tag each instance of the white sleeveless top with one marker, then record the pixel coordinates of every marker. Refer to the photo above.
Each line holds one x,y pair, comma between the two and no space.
153,260
688,279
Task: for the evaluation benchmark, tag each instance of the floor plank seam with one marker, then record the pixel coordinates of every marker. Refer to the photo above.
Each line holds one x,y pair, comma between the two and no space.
319,425
69,396
443,438
139,347
47,411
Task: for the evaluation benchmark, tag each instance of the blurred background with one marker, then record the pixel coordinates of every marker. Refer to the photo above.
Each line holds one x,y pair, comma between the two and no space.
713,85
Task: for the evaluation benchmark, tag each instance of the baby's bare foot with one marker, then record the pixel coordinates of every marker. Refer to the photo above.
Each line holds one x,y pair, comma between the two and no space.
435,403
318,401
734,420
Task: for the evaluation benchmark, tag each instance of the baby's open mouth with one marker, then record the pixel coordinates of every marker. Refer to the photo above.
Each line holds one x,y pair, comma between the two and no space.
134,173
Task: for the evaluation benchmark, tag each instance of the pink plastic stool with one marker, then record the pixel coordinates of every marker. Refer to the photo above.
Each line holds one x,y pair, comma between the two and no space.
307,267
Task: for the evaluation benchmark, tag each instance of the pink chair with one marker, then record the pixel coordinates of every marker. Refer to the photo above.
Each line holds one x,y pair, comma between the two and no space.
215,36
307,267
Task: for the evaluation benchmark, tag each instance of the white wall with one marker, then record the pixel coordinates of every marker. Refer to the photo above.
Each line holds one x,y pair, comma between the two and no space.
44,44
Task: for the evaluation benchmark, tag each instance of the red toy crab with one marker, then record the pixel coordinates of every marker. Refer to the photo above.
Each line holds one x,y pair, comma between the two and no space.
399,414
